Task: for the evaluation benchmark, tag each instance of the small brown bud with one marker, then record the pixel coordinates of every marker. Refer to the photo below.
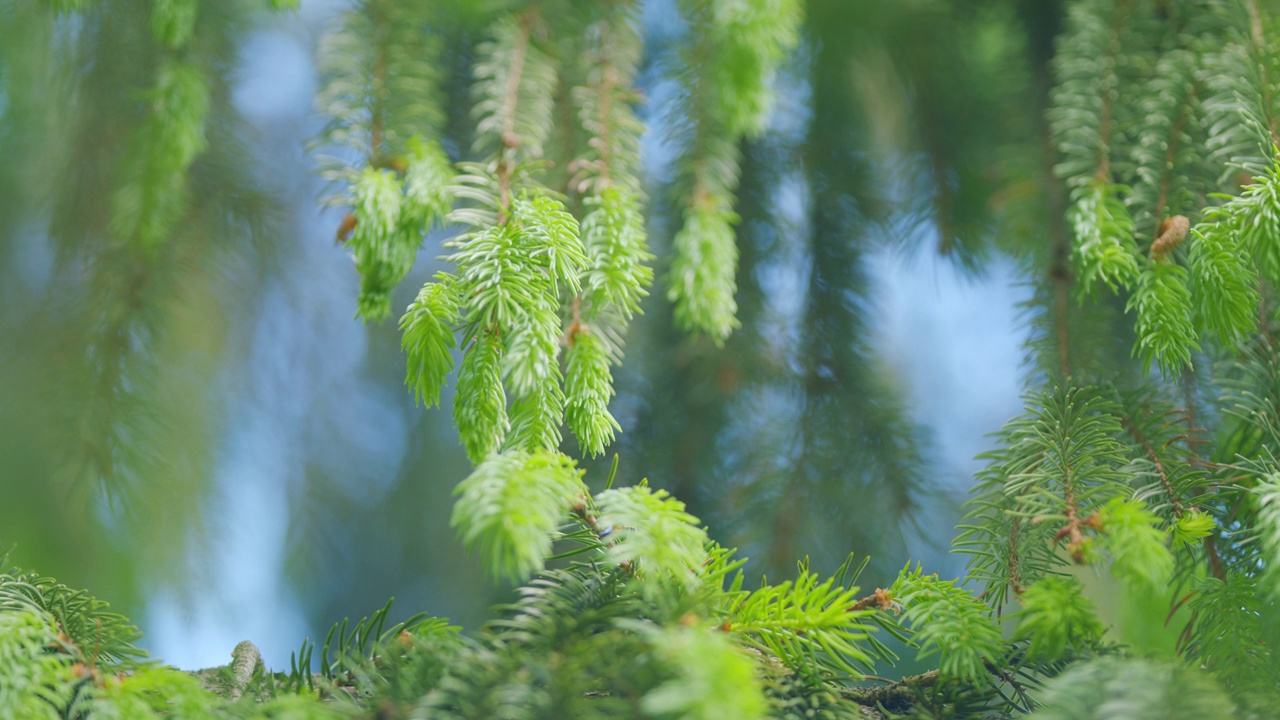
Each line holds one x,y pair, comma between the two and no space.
1172,232
346,227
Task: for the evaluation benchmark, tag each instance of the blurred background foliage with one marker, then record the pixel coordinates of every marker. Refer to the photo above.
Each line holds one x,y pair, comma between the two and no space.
192,425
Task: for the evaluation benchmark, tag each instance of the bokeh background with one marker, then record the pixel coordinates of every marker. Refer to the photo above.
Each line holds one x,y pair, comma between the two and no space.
204,435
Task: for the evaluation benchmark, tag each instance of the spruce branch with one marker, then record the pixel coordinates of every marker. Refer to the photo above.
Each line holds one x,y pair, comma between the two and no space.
1267,496
606,102
507,132
515,83
1084,98
480,403
537,413
813,626
711,678
741,45
85,626
1137,688
428,340
509,508
1171,173
1162,302
1227,632
651,532
589,387
949,622
1258,34
1140,556
1104,248
1056,618
1241,91
153,194
380,92
1069,457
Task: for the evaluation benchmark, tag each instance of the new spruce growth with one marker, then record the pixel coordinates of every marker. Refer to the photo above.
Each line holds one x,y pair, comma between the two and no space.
1157,491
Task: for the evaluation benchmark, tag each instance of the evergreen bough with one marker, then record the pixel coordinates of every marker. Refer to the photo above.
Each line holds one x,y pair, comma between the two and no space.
1164,118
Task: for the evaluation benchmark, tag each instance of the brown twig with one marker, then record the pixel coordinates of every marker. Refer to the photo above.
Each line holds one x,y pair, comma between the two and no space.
896,694
1014,582
608,82
510,101
1264,323
1104,123
1155,460
1074,523
1215,562
576,324
880,599
1170,154
377,109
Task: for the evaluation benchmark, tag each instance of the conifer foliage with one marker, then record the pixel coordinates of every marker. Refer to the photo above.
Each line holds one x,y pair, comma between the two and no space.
1163,120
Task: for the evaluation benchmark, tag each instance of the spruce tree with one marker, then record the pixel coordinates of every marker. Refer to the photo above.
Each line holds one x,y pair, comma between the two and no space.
1136,176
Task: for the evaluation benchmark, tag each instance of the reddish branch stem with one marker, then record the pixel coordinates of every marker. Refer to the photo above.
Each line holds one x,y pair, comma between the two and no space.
377,103
1155,460
1014,581
608,82
510,101
1104,121
1073,529
1169,156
